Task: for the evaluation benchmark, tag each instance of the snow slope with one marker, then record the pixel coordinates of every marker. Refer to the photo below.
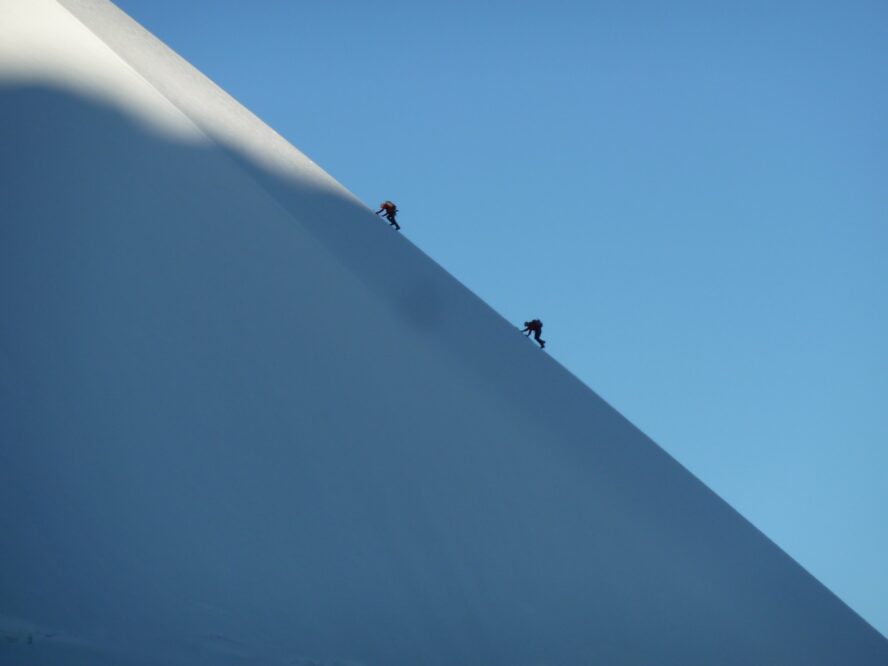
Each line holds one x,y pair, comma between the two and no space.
245,422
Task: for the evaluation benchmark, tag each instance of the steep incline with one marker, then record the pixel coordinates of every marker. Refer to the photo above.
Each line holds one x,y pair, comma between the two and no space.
244,422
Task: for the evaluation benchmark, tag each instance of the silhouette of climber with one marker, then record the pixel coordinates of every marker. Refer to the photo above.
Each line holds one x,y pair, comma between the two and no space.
536,327
390,211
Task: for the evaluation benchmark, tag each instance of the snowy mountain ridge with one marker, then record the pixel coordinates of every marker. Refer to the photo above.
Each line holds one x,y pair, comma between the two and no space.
245,423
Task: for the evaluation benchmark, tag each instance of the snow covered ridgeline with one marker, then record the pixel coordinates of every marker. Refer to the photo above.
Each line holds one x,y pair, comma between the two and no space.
243,423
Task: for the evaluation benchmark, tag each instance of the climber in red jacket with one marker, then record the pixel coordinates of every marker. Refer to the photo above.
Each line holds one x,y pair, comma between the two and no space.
390,211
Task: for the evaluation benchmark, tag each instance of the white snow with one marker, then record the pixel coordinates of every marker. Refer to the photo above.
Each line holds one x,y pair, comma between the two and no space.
41,42
245,422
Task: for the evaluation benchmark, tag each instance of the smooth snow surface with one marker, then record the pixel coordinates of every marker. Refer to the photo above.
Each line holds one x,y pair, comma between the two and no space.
245,422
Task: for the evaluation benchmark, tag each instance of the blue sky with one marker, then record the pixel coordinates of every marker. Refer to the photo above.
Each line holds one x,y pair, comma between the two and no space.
692,196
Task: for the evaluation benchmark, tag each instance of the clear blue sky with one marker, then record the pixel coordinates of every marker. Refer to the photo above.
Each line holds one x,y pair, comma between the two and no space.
692,196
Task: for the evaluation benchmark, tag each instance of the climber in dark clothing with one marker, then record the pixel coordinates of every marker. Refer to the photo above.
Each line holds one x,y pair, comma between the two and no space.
536,327
390,210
